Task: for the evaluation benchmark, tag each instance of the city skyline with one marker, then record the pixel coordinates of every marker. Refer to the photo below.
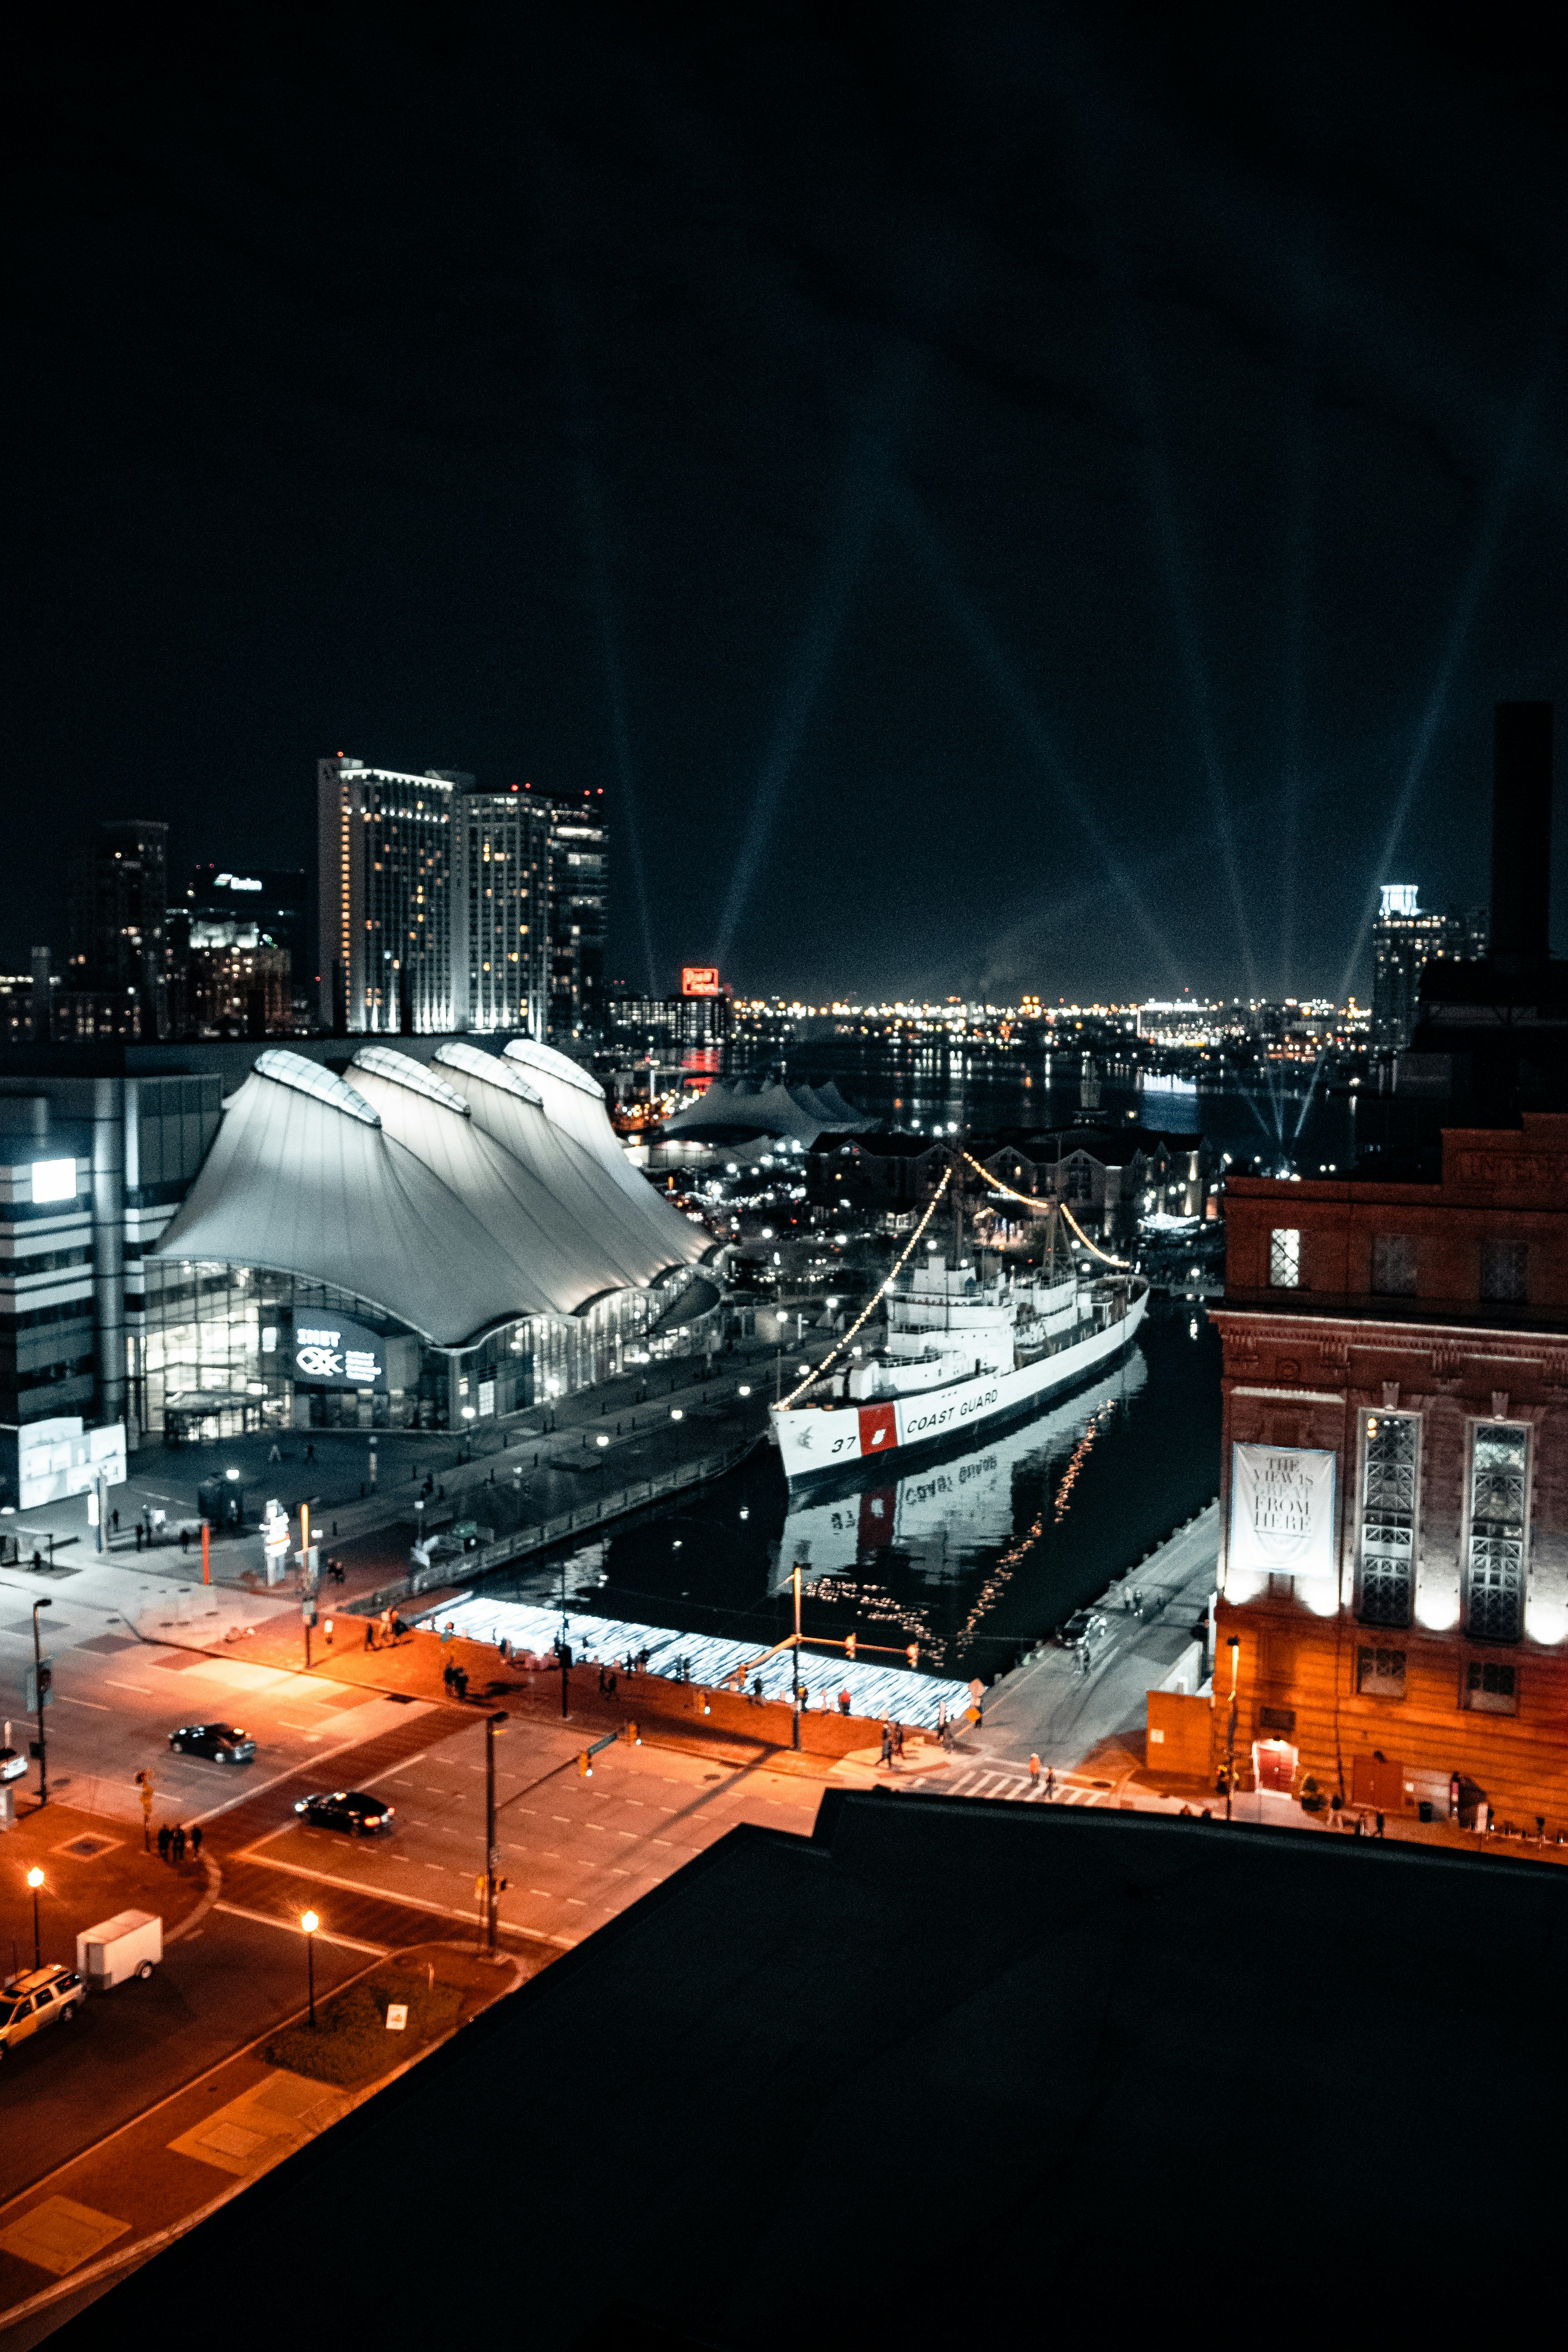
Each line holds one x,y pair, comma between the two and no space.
1027,506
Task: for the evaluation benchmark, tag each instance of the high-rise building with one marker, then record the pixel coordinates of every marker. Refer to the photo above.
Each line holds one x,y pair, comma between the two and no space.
386,846
116,913
579,914
1404,941
500,912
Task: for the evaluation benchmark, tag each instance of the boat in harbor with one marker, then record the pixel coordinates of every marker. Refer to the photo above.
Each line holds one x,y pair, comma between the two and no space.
945,1508
960,1349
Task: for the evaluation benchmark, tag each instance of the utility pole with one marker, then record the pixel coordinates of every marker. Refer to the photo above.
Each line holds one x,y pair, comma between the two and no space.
40,1693
493,1723
955,1180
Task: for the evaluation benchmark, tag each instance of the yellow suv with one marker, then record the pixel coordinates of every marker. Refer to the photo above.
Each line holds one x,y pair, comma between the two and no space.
38,1996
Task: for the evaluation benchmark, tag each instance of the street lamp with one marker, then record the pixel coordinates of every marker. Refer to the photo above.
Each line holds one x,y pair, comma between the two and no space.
40,1692
494,1723
310,1923
36,1880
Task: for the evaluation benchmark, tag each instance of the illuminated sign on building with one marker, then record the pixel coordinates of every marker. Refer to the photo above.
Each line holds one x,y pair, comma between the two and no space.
54,1179
238,882
700,980
338,1355
1282,1511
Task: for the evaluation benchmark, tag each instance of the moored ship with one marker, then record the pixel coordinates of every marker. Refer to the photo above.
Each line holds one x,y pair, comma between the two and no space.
959,1351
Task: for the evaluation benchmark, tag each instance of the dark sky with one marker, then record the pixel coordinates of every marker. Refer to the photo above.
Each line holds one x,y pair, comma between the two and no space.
1000,497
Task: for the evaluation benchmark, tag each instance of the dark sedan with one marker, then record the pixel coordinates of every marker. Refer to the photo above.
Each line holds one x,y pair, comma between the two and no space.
345,1808
221,1743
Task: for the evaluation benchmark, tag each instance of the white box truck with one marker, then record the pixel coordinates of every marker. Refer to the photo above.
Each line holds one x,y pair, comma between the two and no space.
129,1945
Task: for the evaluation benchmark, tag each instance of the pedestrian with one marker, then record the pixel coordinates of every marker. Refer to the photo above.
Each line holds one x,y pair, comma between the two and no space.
275,1454
114,1521
1380,1825
610,1683
164,1841
942,1719
195,1841
461,1682
1034,1774
369,1632
1050,1782
184,1538
310,1452
888,1746
138,1534
898,1740
843,1699
447,1671
602,1685
177,1844
1360,1828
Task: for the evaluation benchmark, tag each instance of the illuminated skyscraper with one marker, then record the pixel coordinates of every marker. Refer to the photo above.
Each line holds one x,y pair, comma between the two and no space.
119,890
1404,941
500,914
579,914
385,846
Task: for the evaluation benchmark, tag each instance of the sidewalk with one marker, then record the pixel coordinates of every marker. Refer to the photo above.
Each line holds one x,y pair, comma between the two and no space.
1049,1707
70,2235
511,1475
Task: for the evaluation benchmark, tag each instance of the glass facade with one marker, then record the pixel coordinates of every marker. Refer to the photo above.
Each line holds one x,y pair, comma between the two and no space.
200,1364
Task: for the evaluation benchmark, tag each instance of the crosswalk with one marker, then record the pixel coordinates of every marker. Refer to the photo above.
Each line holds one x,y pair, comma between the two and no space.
1000,1781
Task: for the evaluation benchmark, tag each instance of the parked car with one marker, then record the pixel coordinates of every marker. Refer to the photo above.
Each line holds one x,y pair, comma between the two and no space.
1085,1630
345,1808
38,1996
12,1765
223,1743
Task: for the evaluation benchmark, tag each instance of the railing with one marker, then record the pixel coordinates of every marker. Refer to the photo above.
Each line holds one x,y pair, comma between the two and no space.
520,1541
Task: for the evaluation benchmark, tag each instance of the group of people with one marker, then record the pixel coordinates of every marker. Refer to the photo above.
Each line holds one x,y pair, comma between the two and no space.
174,1844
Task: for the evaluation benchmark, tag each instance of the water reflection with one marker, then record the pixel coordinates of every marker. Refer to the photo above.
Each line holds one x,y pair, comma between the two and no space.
974,1554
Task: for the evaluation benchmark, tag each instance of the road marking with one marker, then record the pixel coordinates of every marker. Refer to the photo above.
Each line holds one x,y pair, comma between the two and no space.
272,1919
97,1710
144,1688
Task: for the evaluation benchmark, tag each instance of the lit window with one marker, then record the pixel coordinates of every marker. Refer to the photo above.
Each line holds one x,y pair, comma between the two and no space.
1490,1688
1494,1582
1380,1674
1386,1562
1285,1258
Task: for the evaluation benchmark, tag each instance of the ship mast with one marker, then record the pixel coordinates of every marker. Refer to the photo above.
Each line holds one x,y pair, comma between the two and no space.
955,1185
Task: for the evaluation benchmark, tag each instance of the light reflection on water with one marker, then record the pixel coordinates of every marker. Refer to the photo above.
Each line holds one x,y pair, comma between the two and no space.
972,1554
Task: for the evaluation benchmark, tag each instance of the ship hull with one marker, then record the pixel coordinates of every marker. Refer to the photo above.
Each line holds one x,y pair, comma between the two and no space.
814,1442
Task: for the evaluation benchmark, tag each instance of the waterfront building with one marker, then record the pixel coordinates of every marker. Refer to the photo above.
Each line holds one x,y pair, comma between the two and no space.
115,913
188,1222
1395,1478
261,907
384,838
501,949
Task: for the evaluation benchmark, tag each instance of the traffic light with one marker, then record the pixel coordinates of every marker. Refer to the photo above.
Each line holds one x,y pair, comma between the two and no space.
913,1653
584,1769
849,1649
634,1736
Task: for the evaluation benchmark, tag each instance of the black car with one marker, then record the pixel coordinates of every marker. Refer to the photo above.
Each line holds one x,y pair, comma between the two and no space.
345,1808
1085,1630
223,1743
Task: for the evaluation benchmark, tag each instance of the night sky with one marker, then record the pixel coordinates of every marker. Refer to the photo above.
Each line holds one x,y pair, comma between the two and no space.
1000,497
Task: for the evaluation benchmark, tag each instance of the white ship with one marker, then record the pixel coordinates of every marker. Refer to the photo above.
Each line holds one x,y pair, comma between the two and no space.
938,1512
959,1351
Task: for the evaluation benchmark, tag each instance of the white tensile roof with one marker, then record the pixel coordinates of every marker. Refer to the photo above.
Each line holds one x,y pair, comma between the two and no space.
445,1194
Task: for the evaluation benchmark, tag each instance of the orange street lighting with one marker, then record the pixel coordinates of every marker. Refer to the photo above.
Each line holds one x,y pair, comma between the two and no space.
36,1880
310,1922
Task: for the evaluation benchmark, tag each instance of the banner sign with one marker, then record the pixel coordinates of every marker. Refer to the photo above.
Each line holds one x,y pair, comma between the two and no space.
700,980
338,1355
1282,1510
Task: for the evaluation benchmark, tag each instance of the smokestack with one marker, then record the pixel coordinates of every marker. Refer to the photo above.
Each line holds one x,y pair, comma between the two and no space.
1521,834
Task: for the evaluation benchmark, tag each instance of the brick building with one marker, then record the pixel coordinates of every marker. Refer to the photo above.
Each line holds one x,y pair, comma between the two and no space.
1394,1479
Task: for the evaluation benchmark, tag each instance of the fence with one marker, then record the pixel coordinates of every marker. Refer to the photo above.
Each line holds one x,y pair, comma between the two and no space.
521,1541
